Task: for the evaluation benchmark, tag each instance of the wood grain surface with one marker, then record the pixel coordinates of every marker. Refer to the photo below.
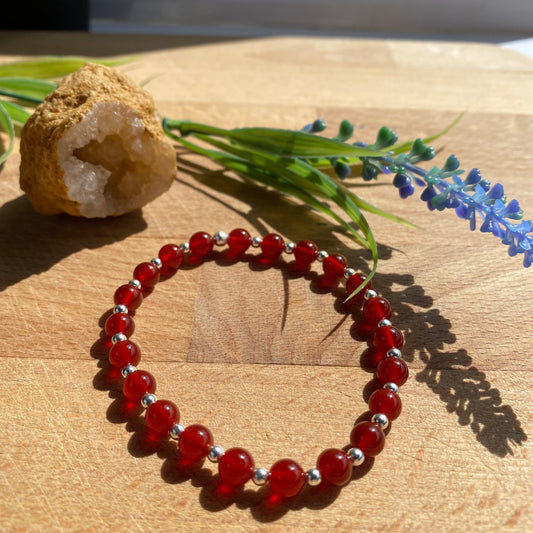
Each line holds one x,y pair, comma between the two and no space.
267,360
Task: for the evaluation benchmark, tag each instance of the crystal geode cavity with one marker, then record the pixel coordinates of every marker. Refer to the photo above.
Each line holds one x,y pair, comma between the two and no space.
95,147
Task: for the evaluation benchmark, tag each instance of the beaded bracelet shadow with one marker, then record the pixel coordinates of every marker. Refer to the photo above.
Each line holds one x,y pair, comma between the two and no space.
195,442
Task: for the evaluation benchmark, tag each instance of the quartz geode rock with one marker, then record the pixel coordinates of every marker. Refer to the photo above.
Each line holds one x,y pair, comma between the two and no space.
95,147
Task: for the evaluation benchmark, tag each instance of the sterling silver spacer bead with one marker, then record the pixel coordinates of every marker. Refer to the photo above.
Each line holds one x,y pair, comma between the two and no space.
176,431
289,247
391,386
157,262
314,478
148,399
349,272
120,308
369,293
185,247
127,370
117,337
384,322
135,283
356,456
221,238
381,419
260,476
215,453
322,254
256,242
394,352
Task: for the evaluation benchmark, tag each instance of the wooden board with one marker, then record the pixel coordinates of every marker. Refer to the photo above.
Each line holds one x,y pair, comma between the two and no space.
264,359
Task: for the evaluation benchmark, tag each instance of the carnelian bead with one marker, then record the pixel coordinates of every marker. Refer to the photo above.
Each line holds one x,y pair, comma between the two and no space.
305,252
235,467
239,240
119,323
353,283
124,353
368,437
137,384
195,442
392,369
147,274
387,337
287,478
387,402
129,295
161,416
171,256
375,309
334,266
201,244
334,466
272,246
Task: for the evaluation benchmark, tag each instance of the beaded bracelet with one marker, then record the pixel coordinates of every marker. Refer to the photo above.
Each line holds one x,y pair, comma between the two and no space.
195,442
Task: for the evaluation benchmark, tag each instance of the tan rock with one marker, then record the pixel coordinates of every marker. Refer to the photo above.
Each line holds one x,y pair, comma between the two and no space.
95,147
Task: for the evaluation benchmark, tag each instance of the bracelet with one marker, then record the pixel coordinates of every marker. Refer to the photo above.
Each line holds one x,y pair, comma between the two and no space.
286,478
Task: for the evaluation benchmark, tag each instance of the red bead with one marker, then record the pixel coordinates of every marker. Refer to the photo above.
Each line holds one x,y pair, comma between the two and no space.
235,467
392,369
387,337
272,246
119,323
124,353
195,442
353,283
334,466
305,252
239,240
171,256
287,478
334,266
368,437
161,416
129,295
147,274
387,402
376,309
137,384
201,244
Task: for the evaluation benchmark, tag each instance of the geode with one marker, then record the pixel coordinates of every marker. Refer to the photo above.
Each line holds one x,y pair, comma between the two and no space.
95,147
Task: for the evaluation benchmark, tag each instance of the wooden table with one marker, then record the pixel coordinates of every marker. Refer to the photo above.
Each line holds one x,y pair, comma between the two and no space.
264,359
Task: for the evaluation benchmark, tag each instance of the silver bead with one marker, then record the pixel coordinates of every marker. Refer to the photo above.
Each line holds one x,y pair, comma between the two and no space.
369,293
120,308
185,247
314,478
256,242
384,322
381,419
348,273
215,453
148,399
127,370
157,262
322,254
221,238
260,476
135,283
176,431
391,386
117,337
394,352
289,247
356,456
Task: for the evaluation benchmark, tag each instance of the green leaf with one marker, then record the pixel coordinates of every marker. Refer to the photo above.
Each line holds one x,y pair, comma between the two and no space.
26,89
16,112
55,66
7,125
